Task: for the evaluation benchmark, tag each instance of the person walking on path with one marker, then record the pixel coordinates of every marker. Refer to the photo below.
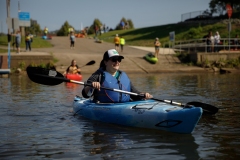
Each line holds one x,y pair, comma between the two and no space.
122,24
72,40
70,30
109,75
216,41
96,29
122,43
117,42
212,42
208,41
157,45
17,41
45,31
104,28
86,32
100,29
126,25
28,39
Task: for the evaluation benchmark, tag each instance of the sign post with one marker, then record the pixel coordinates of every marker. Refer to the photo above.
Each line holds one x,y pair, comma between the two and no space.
172,36
24,21
229,12
172,39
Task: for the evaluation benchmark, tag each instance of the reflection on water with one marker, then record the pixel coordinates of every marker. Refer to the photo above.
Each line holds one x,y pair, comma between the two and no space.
127,143
37,121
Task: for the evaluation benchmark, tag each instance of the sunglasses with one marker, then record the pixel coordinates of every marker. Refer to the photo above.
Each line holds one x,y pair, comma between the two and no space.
115,59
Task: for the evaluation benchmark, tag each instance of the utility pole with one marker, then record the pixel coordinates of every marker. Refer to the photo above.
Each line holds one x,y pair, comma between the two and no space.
9,35
22,29
8,12
1,27
19,7
229,11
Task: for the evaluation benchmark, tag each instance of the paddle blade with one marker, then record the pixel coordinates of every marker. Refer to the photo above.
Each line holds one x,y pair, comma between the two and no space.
90,63
45,76
207,108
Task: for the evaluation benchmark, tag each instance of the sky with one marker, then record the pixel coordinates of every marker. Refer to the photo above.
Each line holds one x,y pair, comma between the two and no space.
81,13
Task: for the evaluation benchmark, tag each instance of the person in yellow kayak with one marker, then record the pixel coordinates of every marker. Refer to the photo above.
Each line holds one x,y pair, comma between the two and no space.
73,68
109,75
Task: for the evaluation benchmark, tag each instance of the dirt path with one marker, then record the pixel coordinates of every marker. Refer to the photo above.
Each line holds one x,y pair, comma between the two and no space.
87,50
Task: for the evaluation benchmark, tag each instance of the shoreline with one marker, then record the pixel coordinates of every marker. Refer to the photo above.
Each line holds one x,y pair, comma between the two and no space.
87,50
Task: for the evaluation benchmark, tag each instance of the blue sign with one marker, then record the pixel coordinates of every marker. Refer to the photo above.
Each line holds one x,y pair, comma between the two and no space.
24,16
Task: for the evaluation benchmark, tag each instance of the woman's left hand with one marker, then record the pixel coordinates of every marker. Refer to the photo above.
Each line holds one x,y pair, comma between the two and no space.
148,96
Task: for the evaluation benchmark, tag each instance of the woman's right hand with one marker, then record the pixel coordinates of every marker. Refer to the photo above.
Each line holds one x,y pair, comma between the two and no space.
96,85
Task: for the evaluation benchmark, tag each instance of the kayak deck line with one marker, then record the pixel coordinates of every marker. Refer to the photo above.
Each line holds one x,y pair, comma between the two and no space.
168,123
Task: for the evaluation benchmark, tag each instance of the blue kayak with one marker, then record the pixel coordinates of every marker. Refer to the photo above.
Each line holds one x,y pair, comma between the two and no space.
143,114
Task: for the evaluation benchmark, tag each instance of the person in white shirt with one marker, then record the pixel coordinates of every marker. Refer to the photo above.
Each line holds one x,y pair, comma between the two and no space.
216,41
212,41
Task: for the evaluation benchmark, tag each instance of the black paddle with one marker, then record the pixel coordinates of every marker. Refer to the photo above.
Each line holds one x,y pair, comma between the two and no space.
89,63
52,77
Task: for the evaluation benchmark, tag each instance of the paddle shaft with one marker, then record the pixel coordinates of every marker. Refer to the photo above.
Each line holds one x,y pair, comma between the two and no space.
130,93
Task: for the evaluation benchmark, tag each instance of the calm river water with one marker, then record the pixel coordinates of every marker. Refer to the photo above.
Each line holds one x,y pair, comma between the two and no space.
37,121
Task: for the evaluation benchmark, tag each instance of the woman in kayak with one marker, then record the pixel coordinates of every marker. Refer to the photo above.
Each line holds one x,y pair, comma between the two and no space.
109,76
73,68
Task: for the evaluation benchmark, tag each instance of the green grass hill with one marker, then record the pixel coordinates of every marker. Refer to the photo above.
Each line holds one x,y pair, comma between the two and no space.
183,31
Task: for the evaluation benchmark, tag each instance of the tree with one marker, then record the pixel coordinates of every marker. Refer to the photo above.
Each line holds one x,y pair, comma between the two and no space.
219,6
34,28
63,31
129,22
95,22
118,27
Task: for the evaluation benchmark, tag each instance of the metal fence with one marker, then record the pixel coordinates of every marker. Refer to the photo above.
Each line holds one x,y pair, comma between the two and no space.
200,45
190,15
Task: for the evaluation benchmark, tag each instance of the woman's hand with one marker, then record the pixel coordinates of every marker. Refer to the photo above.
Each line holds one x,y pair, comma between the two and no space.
96,85
148,96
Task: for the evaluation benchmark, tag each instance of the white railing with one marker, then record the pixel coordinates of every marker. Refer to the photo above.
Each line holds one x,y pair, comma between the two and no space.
196,45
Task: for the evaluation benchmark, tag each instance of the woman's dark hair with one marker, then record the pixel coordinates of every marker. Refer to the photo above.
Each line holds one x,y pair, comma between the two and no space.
102,65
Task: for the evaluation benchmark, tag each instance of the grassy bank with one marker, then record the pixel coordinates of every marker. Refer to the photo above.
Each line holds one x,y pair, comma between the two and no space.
38,42
146,36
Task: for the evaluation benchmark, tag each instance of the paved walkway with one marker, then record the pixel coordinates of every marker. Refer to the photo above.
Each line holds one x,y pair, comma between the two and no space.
87,50
152,49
